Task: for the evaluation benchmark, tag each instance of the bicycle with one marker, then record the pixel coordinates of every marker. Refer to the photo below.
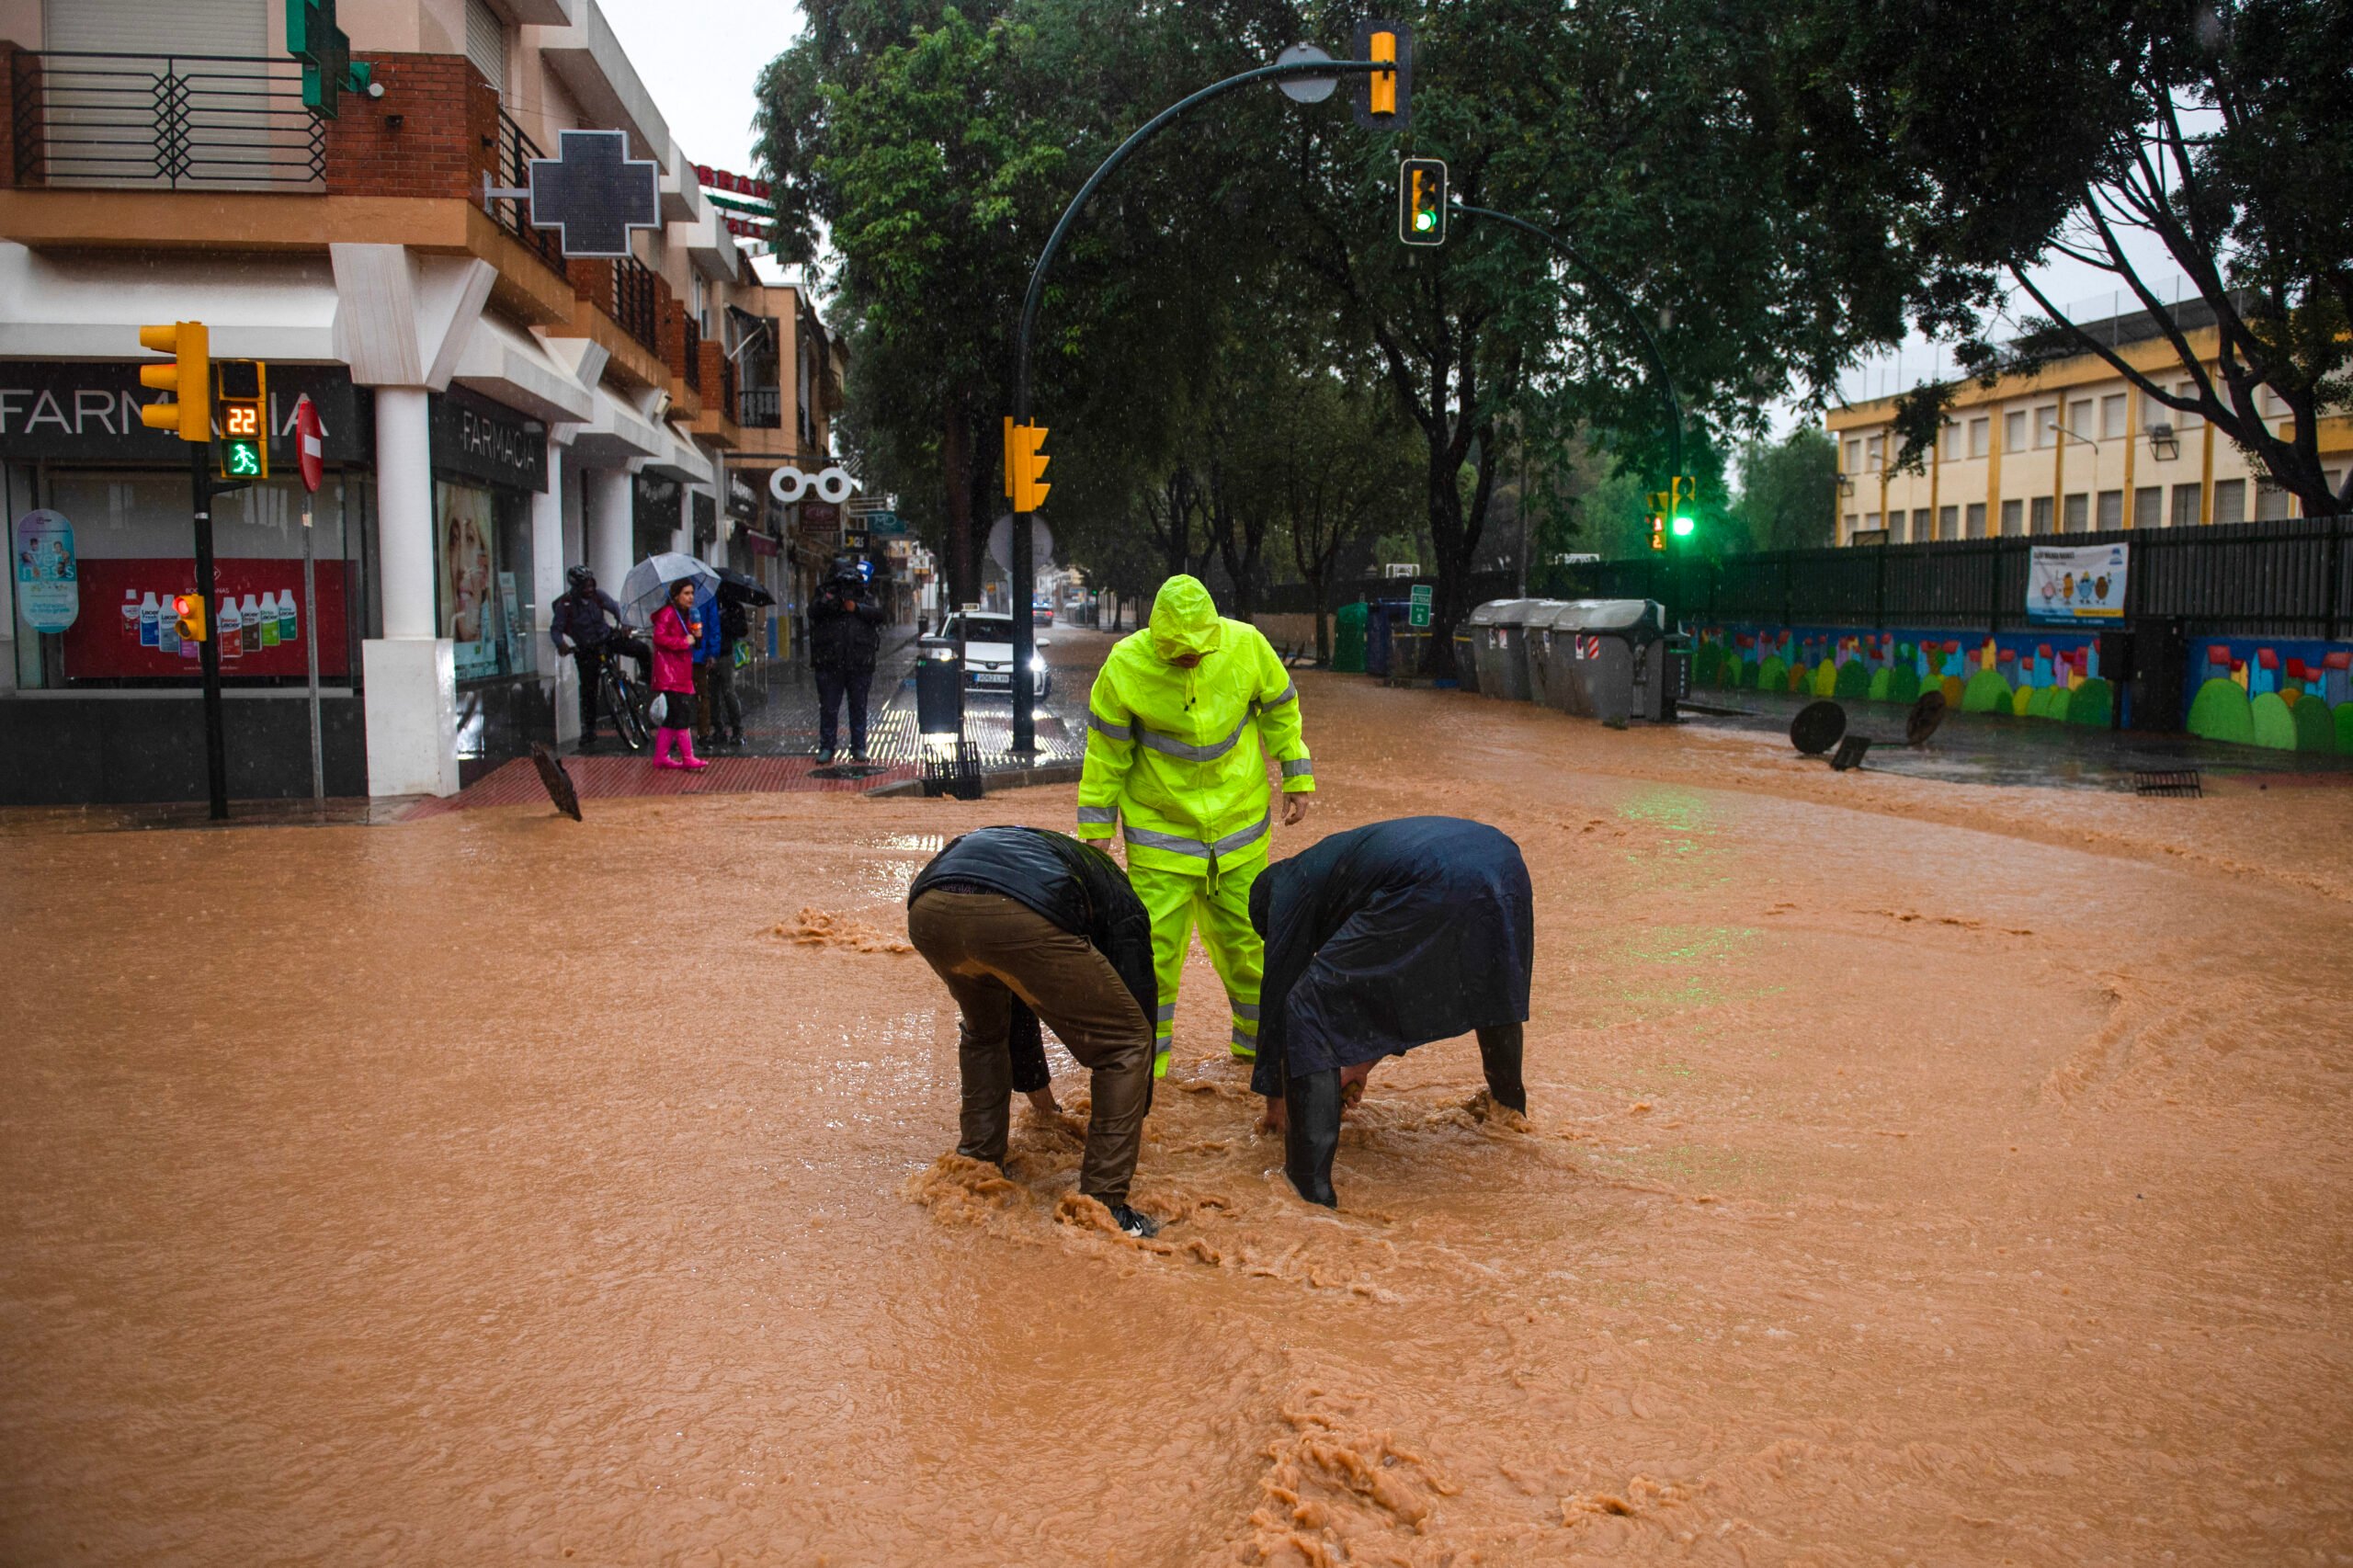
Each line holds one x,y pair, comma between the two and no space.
624,697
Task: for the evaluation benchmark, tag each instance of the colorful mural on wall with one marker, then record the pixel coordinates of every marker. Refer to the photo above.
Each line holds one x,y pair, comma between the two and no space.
2295,695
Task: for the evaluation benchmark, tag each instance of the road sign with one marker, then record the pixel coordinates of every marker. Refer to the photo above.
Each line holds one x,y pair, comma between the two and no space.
1041,541
595,193
1305,89
1418,614
310,443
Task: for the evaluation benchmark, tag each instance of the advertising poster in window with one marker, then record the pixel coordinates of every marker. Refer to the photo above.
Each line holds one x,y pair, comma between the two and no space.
49,591
468,616
2082,583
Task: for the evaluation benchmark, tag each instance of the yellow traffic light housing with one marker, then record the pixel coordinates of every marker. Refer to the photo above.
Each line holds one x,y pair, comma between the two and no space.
1681,494
1024,460
243,396
188,413
188,614
1421,201
1385,102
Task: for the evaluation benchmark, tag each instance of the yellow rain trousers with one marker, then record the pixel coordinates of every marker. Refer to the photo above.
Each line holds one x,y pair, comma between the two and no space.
1177,765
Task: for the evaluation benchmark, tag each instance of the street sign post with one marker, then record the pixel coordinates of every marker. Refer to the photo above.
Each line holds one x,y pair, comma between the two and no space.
1417,613
310,451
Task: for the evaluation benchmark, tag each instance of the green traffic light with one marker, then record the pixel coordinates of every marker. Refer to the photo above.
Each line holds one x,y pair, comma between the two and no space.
1683,527
1424,221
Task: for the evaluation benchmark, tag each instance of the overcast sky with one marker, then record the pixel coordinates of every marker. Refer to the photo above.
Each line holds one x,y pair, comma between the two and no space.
702,59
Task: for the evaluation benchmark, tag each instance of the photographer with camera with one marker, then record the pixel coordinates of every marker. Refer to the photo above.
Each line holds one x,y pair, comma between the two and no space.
844,636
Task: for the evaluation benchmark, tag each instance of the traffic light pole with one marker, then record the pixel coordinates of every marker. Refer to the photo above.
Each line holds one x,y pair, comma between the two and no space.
1024,566
216,752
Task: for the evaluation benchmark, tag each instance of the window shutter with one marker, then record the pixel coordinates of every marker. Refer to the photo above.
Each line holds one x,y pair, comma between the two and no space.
238,28
487,44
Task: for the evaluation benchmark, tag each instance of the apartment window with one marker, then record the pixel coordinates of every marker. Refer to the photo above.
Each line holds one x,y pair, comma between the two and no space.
1870,522
2079,513
2183,418
1952,440
487,44
2111,509
1981,436
2038,516
2149,506
1854,521
2274,406
1924,525
1977,520
2014,431
1948,522
1855,455
2270,502
1895,534
2230,500
2013,515
2046,426
2111,416
2185,506
1875,453
2079,417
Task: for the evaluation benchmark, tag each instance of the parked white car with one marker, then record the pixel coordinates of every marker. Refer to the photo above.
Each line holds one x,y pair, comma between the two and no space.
988,654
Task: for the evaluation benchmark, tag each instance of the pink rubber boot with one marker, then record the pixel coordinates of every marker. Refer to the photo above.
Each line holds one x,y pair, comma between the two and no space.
664,741
687,750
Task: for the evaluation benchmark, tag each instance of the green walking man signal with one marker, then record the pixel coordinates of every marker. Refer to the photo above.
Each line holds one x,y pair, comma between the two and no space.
1421,201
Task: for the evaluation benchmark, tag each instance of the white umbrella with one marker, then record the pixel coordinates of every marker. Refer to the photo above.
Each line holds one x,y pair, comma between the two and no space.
651,582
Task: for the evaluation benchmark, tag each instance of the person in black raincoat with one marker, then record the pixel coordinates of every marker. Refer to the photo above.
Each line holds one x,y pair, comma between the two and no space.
844,636
1379,940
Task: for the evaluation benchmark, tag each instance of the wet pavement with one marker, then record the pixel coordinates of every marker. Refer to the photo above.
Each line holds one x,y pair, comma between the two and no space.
1915,1171
2003,749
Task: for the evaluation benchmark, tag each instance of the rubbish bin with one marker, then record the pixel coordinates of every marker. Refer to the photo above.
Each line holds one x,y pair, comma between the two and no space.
1603,659
1347,639
1498,634
939,692
1466,654
1390,647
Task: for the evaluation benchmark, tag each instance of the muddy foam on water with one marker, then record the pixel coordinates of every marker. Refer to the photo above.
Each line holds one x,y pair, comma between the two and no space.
1911,1173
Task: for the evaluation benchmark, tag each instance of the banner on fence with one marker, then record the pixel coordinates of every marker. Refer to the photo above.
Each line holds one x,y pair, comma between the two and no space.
2078,582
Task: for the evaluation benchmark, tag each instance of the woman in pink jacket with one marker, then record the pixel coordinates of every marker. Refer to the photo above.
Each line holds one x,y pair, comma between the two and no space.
676,629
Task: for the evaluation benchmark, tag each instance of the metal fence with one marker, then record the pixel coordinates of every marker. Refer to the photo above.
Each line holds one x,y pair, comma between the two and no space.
512,214
761,408
2291,578
165,121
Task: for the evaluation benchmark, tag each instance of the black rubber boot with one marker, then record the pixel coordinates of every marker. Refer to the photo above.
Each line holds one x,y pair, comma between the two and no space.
1314,1136
1134,1221
1499,1054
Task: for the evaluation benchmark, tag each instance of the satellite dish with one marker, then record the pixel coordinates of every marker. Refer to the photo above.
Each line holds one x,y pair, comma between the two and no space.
1818,727
1926,714
1305,89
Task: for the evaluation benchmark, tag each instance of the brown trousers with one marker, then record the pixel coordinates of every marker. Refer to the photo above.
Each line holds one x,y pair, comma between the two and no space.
988,949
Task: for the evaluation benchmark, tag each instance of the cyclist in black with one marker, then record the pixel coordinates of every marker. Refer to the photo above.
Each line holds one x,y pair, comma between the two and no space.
584,624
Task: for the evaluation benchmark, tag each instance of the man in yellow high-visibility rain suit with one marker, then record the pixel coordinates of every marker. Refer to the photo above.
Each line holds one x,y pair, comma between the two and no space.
1179,725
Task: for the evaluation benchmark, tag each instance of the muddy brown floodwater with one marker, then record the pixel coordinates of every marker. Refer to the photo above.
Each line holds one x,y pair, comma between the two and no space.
1916,1173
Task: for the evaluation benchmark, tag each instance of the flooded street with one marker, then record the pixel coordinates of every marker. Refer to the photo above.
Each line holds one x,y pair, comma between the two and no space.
1916,1172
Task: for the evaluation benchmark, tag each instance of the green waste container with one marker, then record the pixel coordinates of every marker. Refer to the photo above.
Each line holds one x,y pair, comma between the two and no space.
1347,639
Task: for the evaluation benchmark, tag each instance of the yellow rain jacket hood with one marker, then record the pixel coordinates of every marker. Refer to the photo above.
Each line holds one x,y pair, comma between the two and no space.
1176,757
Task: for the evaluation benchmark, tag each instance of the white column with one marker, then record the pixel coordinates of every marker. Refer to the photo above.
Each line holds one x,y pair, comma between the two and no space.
411,675
547,584
604,513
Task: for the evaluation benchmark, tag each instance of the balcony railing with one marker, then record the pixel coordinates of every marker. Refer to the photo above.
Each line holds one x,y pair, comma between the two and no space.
727,393
693,357
761,408
163,121
637,301
516,152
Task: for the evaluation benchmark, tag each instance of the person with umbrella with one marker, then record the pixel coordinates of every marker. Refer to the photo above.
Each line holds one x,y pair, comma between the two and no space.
736,594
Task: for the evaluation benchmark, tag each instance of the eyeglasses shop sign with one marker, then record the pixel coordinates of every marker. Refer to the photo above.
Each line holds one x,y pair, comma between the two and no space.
472,440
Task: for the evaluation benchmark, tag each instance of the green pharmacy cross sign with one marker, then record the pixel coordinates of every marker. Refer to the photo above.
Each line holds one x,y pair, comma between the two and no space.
324,51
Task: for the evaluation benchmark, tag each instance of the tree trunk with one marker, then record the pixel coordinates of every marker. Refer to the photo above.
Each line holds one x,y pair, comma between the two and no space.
1316,588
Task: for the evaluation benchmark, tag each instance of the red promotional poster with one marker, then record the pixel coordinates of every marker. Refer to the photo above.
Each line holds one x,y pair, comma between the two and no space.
125,626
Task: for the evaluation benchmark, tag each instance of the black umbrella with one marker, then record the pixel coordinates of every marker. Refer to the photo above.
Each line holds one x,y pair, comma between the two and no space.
736,588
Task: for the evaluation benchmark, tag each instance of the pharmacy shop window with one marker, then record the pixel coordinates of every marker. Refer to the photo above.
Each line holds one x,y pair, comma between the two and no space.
481,579
132,549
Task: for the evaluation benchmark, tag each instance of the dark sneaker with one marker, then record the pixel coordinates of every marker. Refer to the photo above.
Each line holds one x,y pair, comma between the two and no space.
1134,1221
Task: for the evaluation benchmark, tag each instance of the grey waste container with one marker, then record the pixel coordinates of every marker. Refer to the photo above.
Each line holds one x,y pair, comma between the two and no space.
1498,631
940,691
1605,659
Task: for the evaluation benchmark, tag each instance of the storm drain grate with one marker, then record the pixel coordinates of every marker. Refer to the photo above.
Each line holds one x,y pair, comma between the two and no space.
2167,782
954,773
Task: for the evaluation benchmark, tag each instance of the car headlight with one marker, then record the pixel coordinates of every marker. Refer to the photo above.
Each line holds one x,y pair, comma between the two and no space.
1036,663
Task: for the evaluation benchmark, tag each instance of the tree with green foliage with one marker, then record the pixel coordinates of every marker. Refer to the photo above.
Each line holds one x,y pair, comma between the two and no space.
2213,130
1789,491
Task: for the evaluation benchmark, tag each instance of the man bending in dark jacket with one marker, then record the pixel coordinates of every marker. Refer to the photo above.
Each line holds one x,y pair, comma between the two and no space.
1021,925
1381,940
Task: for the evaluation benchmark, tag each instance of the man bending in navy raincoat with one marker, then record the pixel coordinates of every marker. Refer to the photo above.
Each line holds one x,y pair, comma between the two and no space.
1379,940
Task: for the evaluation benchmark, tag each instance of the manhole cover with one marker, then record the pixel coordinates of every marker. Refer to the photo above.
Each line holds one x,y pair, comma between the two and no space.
559,782
1817,727
1926,714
